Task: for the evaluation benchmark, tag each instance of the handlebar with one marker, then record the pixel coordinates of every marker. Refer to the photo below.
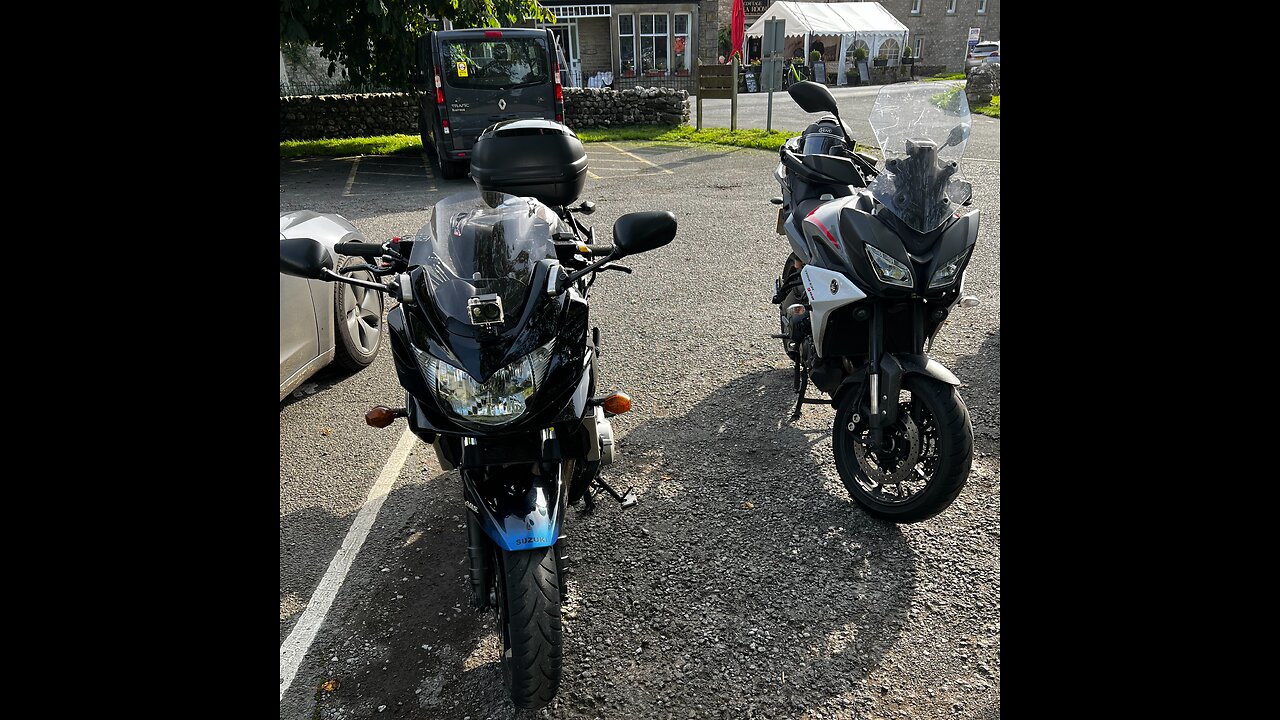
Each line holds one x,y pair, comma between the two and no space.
358,249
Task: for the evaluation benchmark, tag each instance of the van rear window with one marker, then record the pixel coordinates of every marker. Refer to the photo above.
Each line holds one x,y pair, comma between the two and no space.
495,64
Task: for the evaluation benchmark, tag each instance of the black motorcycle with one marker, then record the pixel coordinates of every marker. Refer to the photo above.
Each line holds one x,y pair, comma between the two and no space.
877,265
492,344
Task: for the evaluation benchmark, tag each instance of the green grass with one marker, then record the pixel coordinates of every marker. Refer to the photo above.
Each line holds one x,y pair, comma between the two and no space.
380,145
991,109
952,76
392,144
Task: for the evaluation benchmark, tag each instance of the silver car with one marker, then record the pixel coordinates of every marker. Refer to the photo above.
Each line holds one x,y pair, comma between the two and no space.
987,51
323,322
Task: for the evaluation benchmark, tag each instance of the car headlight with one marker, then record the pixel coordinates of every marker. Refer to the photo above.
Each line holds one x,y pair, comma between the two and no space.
947,274
501,399
890,271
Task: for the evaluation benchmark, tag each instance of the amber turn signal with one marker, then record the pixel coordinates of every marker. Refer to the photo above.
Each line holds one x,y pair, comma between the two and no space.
380,416
617,403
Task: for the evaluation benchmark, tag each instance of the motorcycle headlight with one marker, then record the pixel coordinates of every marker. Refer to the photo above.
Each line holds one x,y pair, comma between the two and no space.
501,399
891,271
950,270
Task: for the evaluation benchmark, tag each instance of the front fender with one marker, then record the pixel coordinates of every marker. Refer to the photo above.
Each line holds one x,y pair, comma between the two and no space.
893,368
531,518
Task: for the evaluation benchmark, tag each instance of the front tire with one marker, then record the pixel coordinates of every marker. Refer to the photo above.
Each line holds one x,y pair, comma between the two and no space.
528,589
927,461
357,317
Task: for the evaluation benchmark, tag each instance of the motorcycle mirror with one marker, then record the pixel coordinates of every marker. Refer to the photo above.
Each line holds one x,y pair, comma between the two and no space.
958,135
305,258
812,97
639,232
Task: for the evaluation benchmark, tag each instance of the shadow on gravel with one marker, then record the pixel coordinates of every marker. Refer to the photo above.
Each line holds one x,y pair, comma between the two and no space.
744,584
980,373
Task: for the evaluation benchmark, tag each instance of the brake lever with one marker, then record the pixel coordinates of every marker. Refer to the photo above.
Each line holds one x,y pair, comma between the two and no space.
622,268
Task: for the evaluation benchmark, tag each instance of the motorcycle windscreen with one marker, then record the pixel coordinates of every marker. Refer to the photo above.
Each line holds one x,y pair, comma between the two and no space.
479,245
922,129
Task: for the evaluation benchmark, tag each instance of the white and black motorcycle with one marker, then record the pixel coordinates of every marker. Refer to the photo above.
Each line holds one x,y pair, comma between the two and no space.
877,264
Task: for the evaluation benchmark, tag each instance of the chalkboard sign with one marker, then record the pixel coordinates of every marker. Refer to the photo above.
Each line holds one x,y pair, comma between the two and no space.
751,83
862,72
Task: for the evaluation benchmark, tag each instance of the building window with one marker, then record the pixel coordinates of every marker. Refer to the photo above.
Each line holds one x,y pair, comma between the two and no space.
627,45
915,7
982,7
681,45
654,56
951,7
919,50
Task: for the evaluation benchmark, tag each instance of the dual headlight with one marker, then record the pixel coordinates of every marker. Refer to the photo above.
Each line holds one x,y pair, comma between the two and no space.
501,399
893,272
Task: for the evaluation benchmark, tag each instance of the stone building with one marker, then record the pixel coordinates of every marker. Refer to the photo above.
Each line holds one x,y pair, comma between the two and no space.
639,42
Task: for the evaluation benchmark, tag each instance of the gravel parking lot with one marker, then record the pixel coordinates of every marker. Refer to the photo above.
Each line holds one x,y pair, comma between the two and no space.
746,584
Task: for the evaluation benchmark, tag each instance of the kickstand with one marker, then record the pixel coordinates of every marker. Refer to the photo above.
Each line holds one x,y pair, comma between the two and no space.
804,385
589,501
628,500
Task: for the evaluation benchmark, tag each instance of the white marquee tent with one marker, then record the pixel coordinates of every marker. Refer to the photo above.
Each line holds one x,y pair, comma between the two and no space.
851,21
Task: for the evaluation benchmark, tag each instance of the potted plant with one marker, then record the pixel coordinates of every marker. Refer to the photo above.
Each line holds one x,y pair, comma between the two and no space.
906,56
681,70
880,61
628,69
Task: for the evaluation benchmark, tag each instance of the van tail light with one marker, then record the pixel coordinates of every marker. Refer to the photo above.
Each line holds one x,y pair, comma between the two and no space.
555,71
493,33
444,125
439,90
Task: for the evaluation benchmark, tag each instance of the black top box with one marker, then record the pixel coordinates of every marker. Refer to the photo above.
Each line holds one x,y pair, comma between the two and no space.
531,158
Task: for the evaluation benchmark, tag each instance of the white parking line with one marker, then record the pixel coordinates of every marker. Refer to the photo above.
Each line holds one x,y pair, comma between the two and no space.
352,177
296,645
637,157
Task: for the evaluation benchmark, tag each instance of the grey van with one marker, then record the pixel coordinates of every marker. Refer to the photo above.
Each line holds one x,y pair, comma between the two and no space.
474,78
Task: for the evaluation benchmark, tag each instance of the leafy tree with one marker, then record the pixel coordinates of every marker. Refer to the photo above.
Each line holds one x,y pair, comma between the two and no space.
374,39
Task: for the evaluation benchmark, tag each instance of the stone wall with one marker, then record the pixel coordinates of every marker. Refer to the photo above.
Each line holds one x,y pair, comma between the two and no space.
310,117
983,82
602,107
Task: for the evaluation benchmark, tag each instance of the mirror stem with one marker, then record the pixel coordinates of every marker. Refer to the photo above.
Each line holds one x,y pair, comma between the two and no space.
332,276
577,275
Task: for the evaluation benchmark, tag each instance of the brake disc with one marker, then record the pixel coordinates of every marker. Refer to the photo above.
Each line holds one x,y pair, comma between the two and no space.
907,432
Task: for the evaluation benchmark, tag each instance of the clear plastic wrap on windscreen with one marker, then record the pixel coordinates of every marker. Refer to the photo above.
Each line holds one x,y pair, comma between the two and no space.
479,244
922,129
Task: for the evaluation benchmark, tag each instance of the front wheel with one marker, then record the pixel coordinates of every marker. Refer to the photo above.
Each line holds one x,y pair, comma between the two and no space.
528,589
923,462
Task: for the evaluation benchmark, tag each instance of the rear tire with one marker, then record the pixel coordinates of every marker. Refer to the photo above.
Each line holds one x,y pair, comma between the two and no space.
928,463
795,295
528,585
454,170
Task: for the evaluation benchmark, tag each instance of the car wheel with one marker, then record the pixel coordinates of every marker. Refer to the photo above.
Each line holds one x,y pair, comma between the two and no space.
357,316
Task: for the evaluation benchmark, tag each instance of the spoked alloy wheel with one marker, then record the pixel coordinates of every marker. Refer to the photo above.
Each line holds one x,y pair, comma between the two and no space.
924,460
528,607
358,318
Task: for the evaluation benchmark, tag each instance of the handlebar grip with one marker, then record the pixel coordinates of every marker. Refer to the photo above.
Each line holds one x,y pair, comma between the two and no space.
358,249
600,250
